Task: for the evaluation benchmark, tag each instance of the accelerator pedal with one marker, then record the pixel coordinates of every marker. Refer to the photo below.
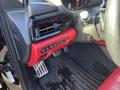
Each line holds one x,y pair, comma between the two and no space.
40,69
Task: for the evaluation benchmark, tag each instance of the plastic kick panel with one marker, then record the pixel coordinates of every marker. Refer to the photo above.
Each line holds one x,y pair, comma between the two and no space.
41,50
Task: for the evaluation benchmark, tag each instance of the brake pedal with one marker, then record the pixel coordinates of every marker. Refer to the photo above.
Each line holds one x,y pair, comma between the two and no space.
57,53
40,69
65,49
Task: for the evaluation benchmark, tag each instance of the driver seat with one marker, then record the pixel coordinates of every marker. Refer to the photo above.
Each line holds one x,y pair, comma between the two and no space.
113,81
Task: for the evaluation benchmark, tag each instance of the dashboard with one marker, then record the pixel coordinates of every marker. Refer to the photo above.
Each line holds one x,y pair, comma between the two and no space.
74,5
43,29
40,31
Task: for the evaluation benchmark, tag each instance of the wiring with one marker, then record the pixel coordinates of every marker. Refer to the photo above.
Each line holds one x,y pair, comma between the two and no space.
96,16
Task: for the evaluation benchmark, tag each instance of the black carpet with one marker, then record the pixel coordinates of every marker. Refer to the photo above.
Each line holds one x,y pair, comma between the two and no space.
65,74
91,57
84,67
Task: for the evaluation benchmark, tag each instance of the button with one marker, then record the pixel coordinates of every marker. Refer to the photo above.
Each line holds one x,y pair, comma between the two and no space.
47,48
61,42
55,45
43,50
51,46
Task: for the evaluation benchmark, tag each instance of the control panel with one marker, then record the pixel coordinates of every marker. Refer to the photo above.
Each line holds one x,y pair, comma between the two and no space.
45,48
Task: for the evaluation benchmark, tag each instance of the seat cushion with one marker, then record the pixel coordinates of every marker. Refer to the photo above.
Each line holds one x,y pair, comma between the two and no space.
113,81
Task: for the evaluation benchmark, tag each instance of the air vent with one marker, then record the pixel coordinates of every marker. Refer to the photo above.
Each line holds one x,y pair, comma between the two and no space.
45,26
46,30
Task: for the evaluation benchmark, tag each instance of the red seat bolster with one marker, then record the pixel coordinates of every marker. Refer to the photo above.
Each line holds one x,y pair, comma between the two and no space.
113,81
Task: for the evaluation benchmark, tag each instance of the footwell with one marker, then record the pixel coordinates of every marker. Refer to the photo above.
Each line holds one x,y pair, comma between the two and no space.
67,81
65,74
84,67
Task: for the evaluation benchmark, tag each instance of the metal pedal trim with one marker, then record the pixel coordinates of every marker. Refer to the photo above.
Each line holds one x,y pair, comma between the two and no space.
40,69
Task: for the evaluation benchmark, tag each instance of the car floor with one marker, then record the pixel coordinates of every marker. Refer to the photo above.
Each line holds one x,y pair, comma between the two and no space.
83,67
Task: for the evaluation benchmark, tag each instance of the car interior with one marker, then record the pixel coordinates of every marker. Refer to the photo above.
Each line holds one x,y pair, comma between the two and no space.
60,45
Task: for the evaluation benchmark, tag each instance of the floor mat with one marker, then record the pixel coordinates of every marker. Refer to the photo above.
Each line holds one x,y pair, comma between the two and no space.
92,57
65,74
84,67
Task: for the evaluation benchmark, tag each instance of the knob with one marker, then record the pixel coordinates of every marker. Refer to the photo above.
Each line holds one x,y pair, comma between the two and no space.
85,17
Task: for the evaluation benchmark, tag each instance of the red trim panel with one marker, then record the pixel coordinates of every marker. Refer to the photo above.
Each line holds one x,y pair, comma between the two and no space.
101,43
113,81
43,49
